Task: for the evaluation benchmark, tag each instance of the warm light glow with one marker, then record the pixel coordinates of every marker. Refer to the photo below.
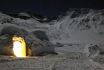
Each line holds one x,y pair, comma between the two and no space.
19,47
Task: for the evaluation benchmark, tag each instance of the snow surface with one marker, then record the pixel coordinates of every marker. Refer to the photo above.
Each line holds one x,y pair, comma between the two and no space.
66,29
76,29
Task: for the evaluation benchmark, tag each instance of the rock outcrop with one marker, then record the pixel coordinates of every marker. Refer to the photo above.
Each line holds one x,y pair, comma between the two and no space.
93,50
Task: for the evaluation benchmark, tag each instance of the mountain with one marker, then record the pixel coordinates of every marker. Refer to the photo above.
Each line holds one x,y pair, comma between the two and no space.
28,14
81,19
72,41
74,25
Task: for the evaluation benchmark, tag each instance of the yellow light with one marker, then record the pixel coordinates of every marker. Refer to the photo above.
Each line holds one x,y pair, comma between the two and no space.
19,47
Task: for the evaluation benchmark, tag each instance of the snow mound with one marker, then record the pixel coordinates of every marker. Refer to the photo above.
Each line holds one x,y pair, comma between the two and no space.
35,45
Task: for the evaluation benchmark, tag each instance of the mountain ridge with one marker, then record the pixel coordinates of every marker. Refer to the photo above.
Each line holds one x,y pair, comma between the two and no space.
77,18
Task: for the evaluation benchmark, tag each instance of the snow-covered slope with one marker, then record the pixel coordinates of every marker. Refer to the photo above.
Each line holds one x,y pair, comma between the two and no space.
79,25
76,25
81,19
78,34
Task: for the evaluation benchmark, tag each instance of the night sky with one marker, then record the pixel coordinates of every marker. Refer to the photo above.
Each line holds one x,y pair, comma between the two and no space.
49,8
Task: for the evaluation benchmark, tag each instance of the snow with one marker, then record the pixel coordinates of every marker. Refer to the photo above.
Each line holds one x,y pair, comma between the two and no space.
23,14
74,33
66,29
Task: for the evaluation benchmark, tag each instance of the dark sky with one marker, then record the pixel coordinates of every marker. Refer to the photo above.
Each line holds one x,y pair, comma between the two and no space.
49,8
